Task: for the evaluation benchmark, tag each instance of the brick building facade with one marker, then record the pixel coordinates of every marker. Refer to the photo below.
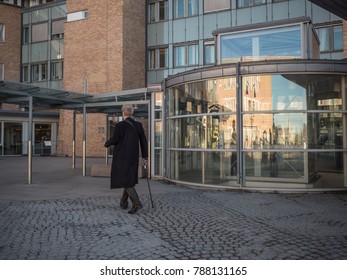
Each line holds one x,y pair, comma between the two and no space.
104,51
10,48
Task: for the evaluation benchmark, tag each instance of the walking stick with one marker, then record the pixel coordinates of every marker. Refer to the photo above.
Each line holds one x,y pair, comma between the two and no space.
149,188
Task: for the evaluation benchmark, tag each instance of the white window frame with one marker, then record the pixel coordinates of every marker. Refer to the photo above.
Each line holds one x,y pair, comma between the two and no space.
186,58
55,73
42,72
25,73
331,38
154,11
186,8
155,60
209,44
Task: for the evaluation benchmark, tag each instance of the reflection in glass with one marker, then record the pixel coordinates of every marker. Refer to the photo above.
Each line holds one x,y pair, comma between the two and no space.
186,166
203,97
275,164
285,120
211,132
271,131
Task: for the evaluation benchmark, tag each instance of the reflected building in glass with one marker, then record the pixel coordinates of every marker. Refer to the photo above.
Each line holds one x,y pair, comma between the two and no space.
269,115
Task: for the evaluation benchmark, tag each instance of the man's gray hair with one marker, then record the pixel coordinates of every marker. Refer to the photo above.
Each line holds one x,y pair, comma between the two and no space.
128,110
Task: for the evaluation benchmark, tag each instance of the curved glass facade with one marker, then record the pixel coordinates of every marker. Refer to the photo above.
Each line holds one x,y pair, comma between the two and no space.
258,125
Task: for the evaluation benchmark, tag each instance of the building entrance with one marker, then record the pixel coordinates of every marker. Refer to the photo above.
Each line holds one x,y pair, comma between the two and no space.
12,143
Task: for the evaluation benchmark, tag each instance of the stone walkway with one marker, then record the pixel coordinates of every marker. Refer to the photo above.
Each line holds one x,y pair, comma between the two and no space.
63,215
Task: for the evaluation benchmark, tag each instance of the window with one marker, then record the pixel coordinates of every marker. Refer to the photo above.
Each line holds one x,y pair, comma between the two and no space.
209,51
2,32
277,43
25,72
185,8
58,29
39,72
25,35
211,6
77,16
39,32
330,38
186,55
57,70
158,58
249,3
2,71
158,11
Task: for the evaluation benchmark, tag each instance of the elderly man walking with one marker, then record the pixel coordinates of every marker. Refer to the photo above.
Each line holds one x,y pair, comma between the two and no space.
126,138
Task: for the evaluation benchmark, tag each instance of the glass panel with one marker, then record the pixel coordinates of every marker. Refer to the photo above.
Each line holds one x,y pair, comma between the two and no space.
326,131
276,43
57,70
210,54
158,132
25,74
192,55
276,92
158,100
35,72
25,35
338,42
163,10
152,12
179,8
43,139
186,166
58,11
39,15
323,34
275,164
152,60
213,96
163,58
329,162
192,7
43,72
12,138
272,131
57,49
158,162
180,56
212,132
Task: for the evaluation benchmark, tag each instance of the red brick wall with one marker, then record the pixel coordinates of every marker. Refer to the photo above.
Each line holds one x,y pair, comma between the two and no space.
107,49
10,49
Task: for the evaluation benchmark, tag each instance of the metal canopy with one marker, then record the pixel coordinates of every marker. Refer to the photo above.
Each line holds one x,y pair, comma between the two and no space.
32,97
337,7
45,98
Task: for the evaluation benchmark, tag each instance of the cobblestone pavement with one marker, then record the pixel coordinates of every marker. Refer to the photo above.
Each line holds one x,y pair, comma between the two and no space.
184,224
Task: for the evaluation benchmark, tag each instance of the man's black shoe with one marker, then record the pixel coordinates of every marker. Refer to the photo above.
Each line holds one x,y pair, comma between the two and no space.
124,205
134,209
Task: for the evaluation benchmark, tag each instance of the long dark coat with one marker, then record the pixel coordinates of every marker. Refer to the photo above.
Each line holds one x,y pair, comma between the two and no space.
126,139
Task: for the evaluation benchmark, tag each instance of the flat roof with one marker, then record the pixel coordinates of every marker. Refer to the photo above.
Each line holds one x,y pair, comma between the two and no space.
45,98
